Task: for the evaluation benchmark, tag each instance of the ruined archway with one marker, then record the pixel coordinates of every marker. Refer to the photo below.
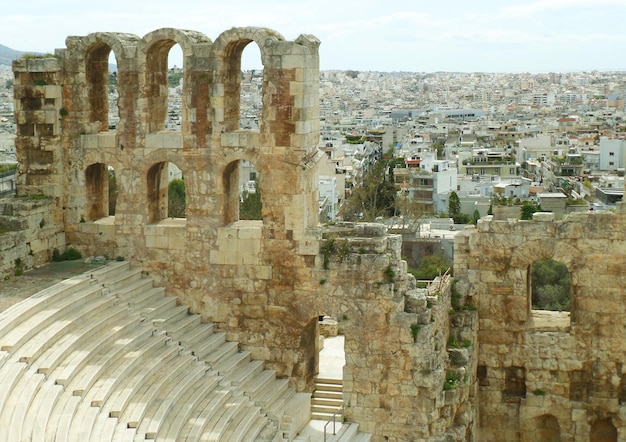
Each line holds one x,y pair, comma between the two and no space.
228,49
97,72
544,428
158,180
97,188
603,431
242,198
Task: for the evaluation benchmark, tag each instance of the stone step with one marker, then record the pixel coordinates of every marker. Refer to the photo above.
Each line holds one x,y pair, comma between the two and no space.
196,335
57,330
232,363
175,420
120,280
319,386
32,324
221,353
328,409
18,403
85,364
73,343
215,426
246,372
326,402
326,417
177,329
211,343
297,413
262,429
156,389
240,423
256,384
146,371
61,417
168,399
143,299
210,405
328,395
328,381
38,416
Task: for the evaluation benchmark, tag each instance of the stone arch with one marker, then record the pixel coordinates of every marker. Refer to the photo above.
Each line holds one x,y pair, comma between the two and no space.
603,431
543,428
97,188
232,181
154,48
227,51
96,48
157,177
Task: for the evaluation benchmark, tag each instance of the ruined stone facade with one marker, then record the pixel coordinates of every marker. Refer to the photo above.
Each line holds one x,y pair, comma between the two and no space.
549,375
266,282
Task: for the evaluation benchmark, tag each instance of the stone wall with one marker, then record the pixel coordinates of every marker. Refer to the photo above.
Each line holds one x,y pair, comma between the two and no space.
545,375
31,233
406,375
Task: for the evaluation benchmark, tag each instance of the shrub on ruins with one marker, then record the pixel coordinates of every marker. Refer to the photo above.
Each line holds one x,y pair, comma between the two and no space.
528,208
69,255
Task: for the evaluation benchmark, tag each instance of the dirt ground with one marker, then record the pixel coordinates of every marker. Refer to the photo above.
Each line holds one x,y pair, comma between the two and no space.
16,288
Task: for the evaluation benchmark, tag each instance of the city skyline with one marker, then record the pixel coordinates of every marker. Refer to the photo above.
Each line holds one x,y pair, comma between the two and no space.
481,36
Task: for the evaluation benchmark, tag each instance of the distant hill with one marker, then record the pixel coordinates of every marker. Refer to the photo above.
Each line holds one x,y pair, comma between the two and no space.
7,55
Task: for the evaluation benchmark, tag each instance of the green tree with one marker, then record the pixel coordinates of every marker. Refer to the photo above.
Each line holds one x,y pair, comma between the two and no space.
528,208
176,202
550,285
377,196
476,216
430,267
439,147
251,207
454,204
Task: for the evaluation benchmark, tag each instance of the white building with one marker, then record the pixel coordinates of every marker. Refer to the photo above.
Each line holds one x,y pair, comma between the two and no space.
612,153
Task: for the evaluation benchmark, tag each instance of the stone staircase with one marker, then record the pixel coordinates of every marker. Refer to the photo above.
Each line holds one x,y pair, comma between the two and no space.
327,400
106,356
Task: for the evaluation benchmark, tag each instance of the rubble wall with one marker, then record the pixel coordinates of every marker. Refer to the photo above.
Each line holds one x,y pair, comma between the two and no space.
545,375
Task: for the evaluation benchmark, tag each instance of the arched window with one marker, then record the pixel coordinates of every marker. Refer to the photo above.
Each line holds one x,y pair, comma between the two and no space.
102,87
166,192
543,428
251,88
603,431
241,192
113,93
97,189
164,74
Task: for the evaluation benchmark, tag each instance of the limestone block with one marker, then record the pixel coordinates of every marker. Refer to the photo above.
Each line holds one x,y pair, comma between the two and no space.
544,216
89,141
107,140
171,139
53,91
51,117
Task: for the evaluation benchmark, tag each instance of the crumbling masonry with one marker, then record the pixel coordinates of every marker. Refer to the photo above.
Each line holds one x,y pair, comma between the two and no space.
266,282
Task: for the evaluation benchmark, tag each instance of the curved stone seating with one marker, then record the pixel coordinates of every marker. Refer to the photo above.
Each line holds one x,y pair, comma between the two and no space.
105,356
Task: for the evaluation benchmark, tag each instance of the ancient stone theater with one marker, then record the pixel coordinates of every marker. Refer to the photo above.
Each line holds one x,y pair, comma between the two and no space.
207,326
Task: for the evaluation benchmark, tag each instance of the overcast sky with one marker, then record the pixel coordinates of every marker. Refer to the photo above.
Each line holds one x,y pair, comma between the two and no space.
377,35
